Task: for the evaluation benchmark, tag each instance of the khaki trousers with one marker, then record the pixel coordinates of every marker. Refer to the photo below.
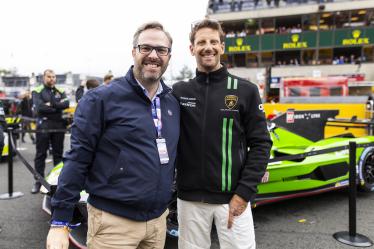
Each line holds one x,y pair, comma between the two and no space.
108,231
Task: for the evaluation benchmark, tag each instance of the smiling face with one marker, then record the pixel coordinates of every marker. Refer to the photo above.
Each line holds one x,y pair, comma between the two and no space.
207,48
148,68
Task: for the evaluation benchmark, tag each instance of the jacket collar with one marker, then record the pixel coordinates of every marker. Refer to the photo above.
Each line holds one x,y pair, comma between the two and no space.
212,77
134,83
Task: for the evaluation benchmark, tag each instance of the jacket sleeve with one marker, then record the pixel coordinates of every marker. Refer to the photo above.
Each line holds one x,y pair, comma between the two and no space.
85,134
259,143
63,103
39,104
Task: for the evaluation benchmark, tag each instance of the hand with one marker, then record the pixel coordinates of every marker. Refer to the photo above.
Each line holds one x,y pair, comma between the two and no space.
58,238
48,104
237,206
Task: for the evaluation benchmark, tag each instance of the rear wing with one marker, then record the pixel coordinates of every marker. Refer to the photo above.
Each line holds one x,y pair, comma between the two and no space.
353,122
306,123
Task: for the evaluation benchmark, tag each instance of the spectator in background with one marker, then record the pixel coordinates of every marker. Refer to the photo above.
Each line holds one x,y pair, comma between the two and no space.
341,60
108,78
233,5
240,5
89,84
230,34
352,59
49,103
242,34
26,112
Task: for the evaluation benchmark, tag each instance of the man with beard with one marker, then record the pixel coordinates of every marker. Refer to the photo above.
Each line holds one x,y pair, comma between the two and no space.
49,102
223,150
123,149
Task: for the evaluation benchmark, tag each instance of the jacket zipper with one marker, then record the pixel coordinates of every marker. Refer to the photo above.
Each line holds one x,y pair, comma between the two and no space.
203,130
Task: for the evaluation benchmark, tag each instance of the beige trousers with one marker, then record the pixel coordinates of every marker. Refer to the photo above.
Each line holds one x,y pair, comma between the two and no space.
195,225
108,231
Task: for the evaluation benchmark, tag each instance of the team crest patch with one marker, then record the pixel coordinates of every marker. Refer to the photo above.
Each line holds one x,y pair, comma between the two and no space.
231,101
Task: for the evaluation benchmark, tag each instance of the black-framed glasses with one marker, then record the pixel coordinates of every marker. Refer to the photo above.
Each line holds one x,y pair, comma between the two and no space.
147,49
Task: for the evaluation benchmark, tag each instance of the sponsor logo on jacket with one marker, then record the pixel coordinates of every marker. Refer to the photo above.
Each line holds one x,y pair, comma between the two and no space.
187,101
231,101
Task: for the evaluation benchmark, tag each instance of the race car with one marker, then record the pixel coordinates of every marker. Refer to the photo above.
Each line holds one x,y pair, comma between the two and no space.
313,174
293,133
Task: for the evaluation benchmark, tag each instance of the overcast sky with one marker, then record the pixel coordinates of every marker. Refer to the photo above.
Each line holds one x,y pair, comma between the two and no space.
89,36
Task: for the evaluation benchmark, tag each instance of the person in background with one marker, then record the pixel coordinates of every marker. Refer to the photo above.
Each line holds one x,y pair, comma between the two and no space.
223,150
108,78
123,150
27,115
89,84
49,103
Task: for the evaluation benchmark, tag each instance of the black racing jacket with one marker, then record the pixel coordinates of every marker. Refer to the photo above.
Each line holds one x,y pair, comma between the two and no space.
55,97
224,143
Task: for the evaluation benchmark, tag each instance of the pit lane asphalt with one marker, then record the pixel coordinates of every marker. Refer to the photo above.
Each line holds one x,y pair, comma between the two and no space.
23,224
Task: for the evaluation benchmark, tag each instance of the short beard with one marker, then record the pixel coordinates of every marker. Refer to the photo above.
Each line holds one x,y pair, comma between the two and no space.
145,80
149,80
49,84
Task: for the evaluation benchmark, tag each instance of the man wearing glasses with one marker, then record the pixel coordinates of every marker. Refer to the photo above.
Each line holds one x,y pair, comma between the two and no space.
123,150
224,148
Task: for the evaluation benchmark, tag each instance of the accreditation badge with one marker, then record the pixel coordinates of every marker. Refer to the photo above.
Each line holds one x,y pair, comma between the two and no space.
162,150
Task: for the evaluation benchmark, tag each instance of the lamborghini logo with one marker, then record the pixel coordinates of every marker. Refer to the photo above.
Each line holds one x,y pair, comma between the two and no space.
231,101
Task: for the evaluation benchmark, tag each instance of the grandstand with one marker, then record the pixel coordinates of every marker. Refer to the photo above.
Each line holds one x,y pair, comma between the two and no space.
297,38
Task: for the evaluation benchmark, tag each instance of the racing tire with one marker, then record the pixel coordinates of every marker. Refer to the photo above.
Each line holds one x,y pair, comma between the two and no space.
366,170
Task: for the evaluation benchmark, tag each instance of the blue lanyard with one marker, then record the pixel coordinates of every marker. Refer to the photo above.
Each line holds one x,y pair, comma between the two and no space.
156,114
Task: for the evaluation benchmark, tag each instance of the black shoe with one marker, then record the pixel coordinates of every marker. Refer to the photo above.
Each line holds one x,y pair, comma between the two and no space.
36,188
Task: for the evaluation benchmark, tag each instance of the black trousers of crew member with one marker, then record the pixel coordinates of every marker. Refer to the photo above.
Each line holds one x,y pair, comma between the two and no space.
43,140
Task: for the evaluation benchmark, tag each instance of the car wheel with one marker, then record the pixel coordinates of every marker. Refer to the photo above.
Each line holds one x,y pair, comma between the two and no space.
366,170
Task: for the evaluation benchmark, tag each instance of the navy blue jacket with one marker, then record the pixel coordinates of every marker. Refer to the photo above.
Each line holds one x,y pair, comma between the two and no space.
114,155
